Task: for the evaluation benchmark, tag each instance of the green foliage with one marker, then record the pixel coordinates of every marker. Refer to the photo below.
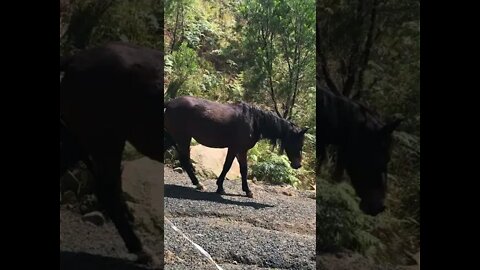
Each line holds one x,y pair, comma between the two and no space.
387,237
91,23
405,176
183,66
340,224
387,74
270,167
369,51
279,43
212,52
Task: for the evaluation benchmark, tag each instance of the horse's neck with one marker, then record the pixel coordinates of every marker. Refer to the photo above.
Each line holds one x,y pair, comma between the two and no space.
338,119
270,127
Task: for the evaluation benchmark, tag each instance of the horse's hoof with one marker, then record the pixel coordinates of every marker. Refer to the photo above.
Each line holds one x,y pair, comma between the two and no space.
200,186
147,257
221,192
249,194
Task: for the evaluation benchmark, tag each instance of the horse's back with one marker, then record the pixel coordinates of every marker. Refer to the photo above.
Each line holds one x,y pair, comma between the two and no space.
116,88
201,108
210,123
116,64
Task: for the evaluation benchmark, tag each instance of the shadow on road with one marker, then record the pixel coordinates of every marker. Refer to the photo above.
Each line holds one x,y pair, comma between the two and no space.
85,261
181,192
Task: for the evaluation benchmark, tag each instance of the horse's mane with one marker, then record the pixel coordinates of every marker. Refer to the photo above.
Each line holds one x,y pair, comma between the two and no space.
365,110
266,124
368,111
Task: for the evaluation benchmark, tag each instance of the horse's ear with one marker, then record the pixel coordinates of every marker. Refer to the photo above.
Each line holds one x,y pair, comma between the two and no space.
392,125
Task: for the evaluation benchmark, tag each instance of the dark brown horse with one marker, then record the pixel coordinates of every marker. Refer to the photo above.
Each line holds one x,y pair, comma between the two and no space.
109,95
238,126
363,142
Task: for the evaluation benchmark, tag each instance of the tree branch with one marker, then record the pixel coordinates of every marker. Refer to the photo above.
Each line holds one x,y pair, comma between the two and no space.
355,51
322,59
175,28
368,45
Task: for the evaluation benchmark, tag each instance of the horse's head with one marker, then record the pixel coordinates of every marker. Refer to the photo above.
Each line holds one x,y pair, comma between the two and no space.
366,163
293,144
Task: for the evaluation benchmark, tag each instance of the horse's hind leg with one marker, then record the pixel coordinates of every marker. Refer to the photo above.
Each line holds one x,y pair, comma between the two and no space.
226,167
108,189
242,161
183,147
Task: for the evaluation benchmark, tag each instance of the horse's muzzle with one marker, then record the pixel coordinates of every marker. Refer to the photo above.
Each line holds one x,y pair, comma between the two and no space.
296,166
370,210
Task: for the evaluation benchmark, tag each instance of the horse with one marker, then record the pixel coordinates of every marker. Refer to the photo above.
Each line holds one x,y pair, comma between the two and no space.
363,144
109,95
236,126
71,151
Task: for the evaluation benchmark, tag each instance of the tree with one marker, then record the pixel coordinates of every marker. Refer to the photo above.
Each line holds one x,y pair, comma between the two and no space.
350,44
279,36
86,15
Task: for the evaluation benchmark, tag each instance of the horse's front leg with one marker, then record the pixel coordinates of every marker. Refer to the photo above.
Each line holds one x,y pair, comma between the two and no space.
108,189
226,167
242,160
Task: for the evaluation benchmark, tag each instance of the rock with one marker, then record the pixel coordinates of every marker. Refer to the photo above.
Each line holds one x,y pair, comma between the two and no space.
84,209
417,257
203,173
69,182
94,218
412,259
178,170
129,198
143,217
88,204
312,194
286,192
142,182
133,190
212,159
79,181
69,197
169,257
132,207
85,182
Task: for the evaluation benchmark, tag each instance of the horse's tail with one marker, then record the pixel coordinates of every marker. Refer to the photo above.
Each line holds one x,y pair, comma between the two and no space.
64,62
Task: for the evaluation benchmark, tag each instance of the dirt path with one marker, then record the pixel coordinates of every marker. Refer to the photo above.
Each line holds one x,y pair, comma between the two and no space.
275,230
